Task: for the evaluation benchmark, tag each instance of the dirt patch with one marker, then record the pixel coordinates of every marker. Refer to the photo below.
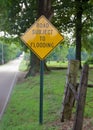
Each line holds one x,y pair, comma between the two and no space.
68,125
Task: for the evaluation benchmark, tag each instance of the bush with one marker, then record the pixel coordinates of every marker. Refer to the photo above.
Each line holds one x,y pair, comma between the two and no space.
90,60
10,52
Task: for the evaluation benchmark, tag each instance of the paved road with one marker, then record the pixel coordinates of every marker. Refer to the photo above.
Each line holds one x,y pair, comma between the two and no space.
8,77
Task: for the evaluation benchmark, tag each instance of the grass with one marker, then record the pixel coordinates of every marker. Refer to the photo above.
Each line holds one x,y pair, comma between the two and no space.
22,112
63,64
89,97
24,64
57,64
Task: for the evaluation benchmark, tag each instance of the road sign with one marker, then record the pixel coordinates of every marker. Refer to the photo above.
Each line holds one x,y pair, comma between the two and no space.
42,37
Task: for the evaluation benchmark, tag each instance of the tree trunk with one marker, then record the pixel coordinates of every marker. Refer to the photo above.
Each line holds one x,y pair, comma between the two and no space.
44,8
79,12
69,98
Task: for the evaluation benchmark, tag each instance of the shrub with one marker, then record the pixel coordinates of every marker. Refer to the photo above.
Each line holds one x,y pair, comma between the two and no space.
10,52
89,60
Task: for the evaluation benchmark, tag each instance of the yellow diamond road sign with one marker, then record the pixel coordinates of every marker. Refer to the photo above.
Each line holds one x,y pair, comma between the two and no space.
42,37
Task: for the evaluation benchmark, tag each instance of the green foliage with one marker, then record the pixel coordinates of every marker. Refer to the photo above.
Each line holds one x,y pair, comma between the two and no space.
63,11
58,54
89,60
65,18
71,53
84,55
2,15
65,14
24,66
20,15
16,16
88,43
9,51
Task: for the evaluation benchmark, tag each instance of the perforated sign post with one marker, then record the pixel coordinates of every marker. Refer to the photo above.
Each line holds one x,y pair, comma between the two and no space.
42,37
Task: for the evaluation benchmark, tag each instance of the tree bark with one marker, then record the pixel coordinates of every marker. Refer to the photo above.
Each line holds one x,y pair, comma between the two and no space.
69,98
45,8
79,12
79,26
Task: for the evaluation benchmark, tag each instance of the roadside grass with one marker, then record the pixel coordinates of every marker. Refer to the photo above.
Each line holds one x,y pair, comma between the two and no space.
22,112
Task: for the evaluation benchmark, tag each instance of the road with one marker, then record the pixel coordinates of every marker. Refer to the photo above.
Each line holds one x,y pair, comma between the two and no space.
8,78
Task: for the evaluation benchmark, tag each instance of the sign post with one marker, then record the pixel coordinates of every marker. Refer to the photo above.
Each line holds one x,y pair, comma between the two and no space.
41,91
42,37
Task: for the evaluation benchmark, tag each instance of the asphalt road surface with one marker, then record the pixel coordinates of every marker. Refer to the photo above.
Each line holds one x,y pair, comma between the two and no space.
8,78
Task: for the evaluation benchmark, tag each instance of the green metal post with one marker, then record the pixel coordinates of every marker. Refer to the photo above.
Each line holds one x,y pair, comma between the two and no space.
41,91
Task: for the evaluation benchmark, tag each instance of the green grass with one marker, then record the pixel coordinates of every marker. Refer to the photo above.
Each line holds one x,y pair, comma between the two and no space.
57,64
63,64
89,97
22,112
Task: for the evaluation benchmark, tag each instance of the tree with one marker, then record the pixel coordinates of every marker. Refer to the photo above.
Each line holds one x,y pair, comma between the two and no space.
21,15
73,16
80,7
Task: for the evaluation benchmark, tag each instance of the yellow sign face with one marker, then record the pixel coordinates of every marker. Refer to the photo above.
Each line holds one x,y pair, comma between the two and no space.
42,37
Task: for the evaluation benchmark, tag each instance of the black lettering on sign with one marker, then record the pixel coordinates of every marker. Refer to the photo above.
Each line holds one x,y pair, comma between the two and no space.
42,45
42,38
44,31
42,25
